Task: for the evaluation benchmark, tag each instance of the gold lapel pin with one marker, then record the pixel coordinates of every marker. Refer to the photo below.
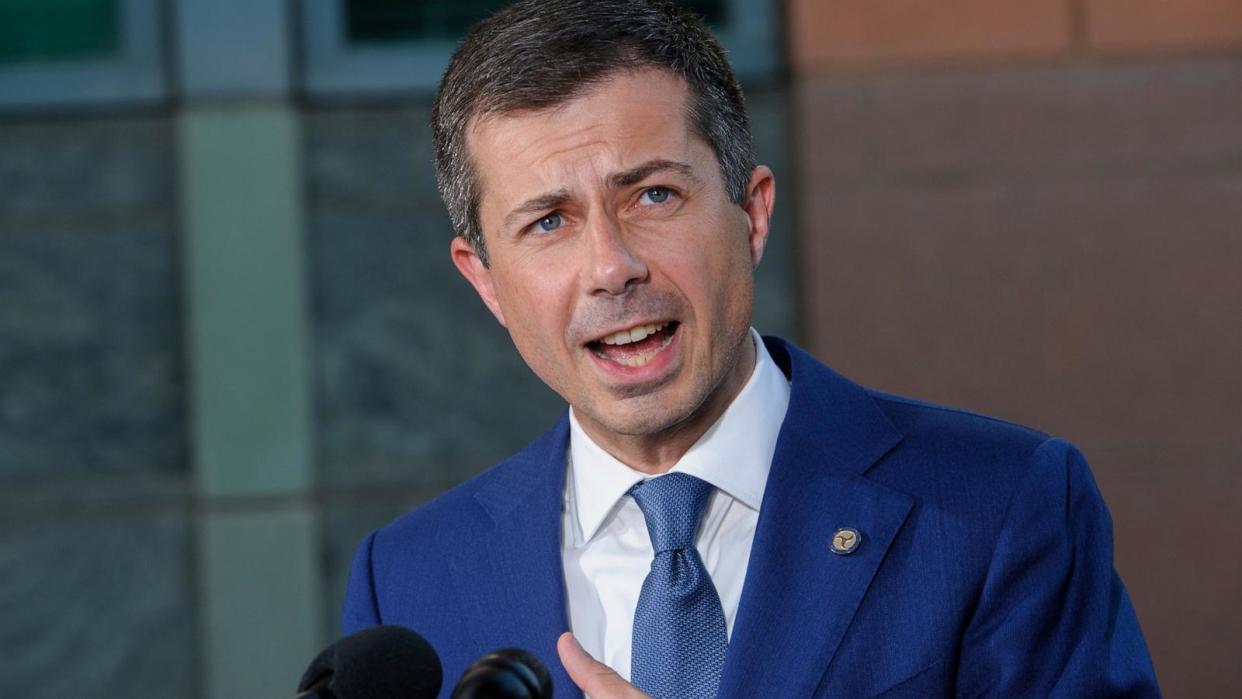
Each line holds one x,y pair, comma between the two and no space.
845,541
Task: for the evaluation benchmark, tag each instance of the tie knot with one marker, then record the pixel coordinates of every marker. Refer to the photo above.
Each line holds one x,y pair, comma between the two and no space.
672,505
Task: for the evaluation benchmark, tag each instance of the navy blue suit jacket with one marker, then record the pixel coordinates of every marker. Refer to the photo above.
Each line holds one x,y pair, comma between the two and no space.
985,567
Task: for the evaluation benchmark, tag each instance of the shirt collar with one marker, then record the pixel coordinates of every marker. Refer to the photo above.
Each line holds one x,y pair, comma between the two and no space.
734,454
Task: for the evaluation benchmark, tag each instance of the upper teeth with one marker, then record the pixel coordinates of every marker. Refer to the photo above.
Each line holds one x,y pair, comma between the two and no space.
623,337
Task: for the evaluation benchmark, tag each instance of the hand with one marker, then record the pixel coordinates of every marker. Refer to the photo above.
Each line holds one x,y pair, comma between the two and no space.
593,677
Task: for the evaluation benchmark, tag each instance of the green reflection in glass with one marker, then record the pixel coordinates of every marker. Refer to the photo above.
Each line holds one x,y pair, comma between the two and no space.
409,21
50,30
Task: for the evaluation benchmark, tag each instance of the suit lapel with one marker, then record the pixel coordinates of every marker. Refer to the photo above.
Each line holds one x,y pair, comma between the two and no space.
521,578
799,597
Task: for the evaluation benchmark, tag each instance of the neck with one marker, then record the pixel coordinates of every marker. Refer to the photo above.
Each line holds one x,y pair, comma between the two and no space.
658,452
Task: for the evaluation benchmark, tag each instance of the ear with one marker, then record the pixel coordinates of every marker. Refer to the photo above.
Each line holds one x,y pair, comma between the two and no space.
760,198
467,261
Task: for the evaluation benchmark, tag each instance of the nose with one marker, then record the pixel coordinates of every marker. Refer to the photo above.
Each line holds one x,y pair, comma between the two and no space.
613,265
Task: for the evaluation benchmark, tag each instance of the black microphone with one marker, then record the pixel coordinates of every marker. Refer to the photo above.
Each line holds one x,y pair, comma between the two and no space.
509,673
381,662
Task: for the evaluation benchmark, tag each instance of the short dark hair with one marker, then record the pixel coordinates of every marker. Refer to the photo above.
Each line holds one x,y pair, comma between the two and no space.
537,54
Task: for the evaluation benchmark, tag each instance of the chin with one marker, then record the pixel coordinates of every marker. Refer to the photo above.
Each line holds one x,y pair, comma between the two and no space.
644,420
637,426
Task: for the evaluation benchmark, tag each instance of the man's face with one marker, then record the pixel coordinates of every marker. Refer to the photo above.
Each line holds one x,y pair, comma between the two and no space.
617,262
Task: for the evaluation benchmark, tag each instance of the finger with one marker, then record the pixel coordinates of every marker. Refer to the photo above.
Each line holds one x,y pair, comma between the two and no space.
592,677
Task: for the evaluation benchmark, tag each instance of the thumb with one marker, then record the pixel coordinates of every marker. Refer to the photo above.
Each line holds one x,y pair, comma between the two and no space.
592,677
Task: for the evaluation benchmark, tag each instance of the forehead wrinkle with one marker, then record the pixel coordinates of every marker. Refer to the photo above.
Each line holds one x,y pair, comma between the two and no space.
602,160
494,127
615,180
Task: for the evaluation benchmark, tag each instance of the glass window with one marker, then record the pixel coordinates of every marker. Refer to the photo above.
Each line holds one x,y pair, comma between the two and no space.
358,46
74,52
46,30
714,12
388,21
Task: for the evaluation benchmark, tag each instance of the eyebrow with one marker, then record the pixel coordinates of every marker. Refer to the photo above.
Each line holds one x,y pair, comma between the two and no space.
641,172
617,180
534,205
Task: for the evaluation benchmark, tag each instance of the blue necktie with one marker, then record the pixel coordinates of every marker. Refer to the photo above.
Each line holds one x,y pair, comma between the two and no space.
679,626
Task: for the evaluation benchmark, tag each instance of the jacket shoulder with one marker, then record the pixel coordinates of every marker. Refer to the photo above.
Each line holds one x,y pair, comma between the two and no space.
919,419
459,517
837,406
957,452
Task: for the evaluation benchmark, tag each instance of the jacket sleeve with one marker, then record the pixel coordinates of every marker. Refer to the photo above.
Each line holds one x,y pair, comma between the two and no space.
361,605
1053,618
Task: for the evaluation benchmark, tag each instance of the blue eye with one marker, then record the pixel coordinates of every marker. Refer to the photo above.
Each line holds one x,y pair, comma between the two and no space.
656,195
549,223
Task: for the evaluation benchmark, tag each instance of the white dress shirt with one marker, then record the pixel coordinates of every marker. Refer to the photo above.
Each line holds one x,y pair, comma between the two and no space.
604,543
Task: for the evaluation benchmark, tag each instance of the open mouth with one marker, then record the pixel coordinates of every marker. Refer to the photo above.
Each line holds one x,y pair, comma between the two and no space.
634,347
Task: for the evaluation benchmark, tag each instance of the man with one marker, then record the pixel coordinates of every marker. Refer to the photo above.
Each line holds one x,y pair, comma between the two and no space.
716,513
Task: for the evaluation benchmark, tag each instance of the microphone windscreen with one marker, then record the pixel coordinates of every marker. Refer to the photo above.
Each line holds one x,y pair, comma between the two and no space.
509,673
380,662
